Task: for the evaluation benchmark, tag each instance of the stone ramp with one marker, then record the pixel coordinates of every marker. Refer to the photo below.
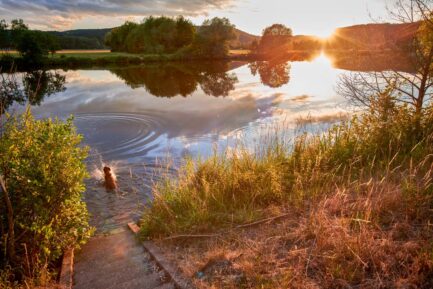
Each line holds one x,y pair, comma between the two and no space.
116,261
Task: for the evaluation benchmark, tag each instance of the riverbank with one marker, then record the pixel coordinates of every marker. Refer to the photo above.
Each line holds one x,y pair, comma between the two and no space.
89,58
349,60
349,208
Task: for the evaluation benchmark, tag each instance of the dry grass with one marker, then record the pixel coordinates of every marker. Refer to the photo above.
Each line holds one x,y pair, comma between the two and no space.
359,198
239,52
373,235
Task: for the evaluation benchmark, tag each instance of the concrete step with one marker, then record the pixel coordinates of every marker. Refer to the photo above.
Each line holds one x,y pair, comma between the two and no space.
136,256
122,280
115,261
137,283
166,286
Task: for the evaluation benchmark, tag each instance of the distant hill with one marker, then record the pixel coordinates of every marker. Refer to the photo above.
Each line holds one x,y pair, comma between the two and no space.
243,40
373,37
306,42
358,37
82,38
94,39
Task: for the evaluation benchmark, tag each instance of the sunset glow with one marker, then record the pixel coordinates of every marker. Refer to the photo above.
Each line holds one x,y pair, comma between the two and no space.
310,17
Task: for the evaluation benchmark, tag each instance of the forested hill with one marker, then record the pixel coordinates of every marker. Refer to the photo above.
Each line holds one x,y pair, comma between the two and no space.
82,38
373,37
94,39
358,37
243,39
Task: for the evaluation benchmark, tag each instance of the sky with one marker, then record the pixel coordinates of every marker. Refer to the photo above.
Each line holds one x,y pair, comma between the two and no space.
314,17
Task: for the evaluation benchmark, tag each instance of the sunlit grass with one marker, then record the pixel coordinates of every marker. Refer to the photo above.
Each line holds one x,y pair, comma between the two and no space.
222,190
359,199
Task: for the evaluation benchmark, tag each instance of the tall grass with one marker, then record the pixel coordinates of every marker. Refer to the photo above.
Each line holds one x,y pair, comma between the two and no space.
237,187
362,194
224,189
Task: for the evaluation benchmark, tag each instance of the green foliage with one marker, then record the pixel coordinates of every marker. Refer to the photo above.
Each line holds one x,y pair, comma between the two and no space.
35,45
213,37
275,38
17,28
155,35
164,35
116,39
30,47
4,35
42,165
79,42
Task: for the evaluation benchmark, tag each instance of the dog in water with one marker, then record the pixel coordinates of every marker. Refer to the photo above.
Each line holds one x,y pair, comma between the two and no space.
110,181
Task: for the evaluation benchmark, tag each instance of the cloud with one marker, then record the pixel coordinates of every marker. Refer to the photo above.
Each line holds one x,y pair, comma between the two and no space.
58,14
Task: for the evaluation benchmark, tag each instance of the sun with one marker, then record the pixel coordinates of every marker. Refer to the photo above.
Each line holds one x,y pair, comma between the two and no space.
326,34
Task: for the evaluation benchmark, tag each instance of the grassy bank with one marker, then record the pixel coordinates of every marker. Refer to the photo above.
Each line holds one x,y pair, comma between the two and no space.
353,207
72,59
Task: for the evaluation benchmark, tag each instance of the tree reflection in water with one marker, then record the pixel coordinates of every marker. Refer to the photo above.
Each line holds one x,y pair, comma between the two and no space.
272,73
173,79
218,84
36,85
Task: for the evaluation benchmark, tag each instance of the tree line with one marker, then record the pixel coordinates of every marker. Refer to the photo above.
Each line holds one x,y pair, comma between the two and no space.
161,35
33,45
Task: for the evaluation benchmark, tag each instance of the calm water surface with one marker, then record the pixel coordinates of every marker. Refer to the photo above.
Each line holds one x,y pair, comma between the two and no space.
132,116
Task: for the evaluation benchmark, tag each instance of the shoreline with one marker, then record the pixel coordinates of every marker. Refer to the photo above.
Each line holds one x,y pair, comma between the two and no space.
88,59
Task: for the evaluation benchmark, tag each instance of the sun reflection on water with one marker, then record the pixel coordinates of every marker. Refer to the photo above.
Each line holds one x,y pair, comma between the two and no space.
324,59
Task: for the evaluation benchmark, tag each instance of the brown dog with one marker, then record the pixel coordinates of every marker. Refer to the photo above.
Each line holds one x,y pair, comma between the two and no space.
110,182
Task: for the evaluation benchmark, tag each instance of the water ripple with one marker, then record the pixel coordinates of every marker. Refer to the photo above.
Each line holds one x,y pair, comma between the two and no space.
119,135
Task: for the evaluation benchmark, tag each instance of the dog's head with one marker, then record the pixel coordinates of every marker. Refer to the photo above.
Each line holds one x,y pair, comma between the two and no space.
107,170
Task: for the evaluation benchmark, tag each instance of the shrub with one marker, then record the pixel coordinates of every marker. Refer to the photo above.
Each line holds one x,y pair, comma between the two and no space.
41,162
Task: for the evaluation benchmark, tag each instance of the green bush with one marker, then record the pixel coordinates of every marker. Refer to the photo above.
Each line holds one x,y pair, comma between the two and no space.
41,162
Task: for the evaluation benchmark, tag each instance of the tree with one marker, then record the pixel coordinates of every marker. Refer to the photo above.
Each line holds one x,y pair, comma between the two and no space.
412,89
4,35
275,39
3,24
254,45
116,39
185,32
153,35
213,37
17,29
30,46
52,43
